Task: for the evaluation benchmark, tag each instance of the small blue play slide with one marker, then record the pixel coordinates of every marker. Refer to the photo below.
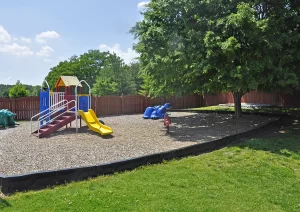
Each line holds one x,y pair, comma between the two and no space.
156,112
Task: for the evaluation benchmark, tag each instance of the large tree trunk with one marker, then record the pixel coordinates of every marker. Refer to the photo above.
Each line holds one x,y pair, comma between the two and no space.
237,96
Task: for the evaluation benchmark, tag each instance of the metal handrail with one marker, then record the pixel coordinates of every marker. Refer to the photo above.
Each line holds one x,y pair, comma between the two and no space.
68,110
58,109
48,109
52,112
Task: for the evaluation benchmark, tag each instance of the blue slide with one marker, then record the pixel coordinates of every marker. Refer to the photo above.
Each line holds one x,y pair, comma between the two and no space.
156,112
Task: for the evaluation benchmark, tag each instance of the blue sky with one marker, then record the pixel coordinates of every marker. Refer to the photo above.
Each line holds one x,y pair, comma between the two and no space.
35,35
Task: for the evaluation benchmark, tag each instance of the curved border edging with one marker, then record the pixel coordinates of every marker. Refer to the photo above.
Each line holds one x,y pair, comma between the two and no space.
40,180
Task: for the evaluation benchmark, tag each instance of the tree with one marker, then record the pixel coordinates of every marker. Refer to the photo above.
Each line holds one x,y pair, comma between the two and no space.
5,93
105,86
135,74
214,46
85,67
18,90
237,57
115,78
4,90
35,91
98,69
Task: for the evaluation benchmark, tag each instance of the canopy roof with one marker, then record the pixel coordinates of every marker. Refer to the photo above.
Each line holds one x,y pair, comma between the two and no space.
66,81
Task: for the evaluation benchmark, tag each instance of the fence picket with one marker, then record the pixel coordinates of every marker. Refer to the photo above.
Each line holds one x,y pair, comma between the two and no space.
26,107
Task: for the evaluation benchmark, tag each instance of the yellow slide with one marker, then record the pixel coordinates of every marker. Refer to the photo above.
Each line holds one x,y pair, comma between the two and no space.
93,123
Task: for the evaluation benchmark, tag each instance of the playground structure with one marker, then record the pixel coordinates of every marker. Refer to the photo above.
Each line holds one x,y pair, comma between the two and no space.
159,112
60,108
156,112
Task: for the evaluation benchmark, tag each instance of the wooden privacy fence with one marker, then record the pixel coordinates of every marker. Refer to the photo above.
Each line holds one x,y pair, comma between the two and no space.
26,107
110,105
271,98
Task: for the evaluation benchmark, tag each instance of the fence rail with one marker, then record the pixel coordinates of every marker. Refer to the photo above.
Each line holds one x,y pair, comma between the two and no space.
272,98
26,107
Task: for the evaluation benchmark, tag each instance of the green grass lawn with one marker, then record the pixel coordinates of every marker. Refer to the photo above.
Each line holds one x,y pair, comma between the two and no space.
279,110
255,175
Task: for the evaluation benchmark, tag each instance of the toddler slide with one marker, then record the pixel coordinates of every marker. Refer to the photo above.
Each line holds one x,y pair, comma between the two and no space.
93,123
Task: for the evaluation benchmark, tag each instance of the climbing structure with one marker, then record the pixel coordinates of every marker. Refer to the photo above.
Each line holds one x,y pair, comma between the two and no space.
60,108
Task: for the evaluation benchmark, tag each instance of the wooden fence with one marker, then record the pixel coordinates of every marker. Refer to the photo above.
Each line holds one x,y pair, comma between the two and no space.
110,105
275,98
251,97
26,107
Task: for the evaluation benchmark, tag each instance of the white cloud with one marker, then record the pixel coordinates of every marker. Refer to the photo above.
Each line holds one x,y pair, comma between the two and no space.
142,4
44,36
16,49
26,40
9,78
127,56
4,35
45,51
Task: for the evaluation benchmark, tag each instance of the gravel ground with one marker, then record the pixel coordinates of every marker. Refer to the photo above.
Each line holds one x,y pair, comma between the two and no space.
133,136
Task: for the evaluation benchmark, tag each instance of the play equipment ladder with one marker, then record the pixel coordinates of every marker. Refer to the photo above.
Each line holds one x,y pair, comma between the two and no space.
53,118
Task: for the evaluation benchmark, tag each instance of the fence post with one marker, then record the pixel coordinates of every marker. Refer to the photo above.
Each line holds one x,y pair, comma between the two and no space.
122,105
13,106
201,100
142,103
194,102
146,101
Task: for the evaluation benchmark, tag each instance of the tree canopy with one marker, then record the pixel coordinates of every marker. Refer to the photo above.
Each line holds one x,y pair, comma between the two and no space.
18,90
218,45
106,73
33,90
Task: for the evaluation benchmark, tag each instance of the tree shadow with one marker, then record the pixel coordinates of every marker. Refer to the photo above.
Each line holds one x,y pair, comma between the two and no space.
280,139
4,204
209,126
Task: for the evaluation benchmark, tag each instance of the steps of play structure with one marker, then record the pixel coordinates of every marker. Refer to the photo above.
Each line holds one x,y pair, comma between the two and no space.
55,125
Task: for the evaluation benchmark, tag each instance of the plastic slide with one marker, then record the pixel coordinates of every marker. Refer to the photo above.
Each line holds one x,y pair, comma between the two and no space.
93,123
156,112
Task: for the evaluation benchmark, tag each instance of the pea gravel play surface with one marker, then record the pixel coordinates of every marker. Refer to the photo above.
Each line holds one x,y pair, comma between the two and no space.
133,136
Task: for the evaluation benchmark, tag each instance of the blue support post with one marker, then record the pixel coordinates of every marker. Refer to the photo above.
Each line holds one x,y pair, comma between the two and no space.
45,104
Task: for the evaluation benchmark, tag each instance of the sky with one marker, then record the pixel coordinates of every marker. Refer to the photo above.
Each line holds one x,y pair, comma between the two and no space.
36,35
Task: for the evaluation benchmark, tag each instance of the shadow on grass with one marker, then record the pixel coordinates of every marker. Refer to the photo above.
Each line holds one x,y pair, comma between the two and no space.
278,110
209,126
284,140
283,145
266,109
3,204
